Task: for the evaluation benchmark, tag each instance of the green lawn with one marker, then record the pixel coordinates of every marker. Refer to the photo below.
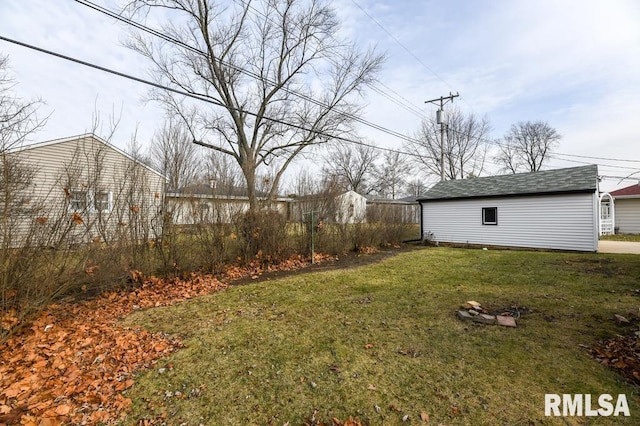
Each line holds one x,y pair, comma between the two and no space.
622,237
381,342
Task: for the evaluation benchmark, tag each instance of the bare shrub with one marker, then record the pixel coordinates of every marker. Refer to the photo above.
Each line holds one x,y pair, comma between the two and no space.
262,234
212,236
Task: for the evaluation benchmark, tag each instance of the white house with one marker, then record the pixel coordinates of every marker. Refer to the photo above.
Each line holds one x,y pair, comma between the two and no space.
554,209
80,189
351,207
627,209
200,205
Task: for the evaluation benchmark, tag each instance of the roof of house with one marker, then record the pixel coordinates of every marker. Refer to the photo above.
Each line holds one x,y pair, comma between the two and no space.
81,137
632,191
574,179
203,191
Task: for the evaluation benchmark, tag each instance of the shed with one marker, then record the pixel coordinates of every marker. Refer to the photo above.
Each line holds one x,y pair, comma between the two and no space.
553,209
627,213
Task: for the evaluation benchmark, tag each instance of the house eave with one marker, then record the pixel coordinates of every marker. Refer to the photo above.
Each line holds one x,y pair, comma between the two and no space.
81,137
520,194
626,197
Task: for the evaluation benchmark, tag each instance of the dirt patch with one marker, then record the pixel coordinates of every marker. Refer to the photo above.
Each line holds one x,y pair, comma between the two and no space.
345,260
603,266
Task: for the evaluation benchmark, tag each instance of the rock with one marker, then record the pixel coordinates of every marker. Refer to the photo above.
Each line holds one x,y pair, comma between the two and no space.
473,312
506,321
485,319
620,319
471,304
464,315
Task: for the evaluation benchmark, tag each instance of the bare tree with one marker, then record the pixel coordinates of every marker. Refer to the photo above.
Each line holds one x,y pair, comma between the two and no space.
527,146
352,166
173,153
18,118
304,183
416,187
281,77
223,174
390,176
465,145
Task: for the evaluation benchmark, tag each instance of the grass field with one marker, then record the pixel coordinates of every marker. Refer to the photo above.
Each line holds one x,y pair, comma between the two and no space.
622,237
381,342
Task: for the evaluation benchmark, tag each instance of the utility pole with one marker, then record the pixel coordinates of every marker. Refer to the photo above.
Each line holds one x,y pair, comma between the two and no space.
442,100
313,223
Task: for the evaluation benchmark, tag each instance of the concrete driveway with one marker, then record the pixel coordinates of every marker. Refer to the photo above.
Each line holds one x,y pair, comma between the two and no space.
618,247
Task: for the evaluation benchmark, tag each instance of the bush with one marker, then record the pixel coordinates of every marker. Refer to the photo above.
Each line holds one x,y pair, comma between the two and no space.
263,234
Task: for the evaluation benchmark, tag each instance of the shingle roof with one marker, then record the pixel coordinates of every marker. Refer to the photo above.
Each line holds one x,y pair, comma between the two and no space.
574,179
628,191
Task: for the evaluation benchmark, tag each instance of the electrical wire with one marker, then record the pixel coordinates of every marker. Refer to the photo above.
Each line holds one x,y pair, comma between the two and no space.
217,102
180,43
198,96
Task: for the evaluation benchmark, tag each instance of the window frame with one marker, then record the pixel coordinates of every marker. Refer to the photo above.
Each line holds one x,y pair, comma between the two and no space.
83,201
78,200
484,216
108,201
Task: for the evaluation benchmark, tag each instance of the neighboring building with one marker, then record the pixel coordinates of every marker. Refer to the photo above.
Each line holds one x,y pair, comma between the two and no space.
334,207
627,209
351,207
403,210
82,189
554,209
201,204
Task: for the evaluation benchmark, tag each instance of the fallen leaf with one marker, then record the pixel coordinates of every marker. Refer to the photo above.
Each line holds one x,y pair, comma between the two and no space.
424,417
63,410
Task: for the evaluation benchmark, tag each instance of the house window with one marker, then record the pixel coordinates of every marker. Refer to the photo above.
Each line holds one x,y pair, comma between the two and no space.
78,201
102,202
489,215
89,201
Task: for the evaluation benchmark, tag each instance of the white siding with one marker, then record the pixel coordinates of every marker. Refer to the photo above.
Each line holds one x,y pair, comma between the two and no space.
627,211
565,222
191,210
351,208
86,164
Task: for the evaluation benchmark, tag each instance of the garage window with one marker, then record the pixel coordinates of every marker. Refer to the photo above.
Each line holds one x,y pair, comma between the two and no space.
489,215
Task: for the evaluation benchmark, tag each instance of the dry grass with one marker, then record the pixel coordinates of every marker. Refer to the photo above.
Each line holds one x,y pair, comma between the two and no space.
381,342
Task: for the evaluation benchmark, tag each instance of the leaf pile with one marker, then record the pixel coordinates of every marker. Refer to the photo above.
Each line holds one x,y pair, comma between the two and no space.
621,353
75,362
260,266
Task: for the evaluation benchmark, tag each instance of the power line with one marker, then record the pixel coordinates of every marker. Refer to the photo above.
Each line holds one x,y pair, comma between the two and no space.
172,40
405,48
598,158
197,96
599,164
400,100
496,142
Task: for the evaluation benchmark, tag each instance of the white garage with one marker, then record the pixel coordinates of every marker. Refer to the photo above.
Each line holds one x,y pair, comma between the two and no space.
552,209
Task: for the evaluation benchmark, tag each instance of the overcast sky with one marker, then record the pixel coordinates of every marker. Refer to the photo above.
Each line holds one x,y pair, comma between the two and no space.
574,64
